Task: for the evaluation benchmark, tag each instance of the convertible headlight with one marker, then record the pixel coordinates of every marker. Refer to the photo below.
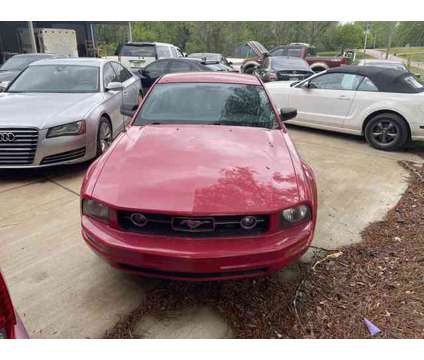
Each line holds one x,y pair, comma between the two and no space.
295,215
95,209
75,128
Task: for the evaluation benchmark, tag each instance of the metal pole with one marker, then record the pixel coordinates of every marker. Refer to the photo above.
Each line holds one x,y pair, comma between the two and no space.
32,37
130,39
366,37
389,41
92,37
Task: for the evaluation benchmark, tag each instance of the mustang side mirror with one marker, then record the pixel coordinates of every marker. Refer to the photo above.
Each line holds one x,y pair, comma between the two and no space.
287,113
128,109
114,86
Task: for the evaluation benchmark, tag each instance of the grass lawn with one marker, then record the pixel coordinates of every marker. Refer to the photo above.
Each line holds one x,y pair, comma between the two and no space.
416,53
329,53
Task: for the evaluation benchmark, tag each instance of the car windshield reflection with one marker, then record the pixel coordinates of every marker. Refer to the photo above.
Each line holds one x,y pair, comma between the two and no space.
208,103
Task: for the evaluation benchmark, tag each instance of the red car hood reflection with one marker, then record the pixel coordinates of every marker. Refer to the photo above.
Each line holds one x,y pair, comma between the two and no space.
199,169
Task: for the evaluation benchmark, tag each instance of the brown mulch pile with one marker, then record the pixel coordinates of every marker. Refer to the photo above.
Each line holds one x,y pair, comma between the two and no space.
381,279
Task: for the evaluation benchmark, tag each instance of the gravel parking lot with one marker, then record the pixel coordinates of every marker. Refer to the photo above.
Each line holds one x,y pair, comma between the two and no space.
62,290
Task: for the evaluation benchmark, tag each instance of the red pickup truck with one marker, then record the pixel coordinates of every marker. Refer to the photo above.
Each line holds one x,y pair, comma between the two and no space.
249,55
308,52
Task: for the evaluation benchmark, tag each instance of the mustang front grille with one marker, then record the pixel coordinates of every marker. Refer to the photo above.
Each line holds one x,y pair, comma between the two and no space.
18,146
193,226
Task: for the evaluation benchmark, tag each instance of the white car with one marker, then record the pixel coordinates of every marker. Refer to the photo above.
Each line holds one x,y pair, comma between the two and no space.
137,55
384,105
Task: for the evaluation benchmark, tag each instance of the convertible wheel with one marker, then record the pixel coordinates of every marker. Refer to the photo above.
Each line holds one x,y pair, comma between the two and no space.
104,136
387,132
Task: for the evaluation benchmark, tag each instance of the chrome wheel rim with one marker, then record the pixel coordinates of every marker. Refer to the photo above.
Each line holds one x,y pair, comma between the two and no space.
385,132
105,136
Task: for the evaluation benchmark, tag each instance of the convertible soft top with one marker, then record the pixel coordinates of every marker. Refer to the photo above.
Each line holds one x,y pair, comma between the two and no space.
386,80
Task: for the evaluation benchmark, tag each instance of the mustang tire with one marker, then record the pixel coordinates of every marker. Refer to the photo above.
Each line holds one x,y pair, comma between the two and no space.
387,131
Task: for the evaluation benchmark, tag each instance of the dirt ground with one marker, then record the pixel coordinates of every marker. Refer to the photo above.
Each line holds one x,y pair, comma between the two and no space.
380,279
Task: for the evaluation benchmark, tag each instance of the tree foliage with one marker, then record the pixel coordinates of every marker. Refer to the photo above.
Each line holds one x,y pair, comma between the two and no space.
223,37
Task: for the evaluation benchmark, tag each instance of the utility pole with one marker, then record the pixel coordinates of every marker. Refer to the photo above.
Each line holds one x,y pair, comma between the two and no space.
390,39
32,37
130,38
366,36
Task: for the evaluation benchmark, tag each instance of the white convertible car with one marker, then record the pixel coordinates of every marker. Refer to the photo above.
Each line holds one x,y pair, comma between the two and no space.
384,105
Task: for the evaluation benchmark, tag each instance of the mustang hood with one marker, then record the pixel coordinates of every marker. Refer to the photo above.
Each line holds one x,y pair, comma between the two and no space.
199,169
45,110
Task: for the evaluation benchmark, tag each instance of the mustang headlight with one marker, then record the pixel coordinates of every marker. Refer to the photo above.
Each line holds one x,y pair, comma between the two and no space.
75,128
95,209
295,215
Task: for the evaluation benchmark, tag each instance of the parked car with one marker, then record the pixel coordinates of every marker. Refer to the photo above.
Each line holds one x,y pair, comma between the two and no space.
167,66
384,105
283,68
388,64
309,53
137,55
14,65
11,326
63,111
184,194
218,58
248,56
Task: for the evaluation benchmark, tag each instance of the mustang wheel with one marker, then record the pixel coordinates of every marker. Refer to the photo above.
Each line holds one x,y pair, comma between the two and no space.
387,132
104,136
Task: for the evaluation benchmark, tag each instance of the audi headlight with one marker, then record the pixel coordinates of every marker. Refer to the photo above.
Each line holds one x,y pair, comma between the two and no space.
95,209
75,128
295,215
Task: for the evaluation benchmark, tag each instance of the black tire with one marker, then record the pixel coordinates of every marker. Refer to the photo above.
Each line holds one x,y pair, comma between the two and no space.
318,69
103,141
387,131
250,70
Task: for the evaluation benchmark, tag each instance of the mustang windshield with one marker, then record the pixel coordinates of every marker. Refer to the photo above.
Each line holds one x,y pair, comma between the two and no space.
57,79
208,103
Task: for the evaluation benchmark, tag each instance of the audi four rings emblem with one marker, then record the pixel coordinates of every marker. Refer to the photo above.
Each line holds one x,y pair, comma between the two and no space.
7,137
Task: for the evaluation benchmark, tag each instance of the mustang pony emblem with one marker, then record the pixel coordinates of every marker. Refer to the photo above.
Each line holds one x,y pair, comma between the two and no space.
194,224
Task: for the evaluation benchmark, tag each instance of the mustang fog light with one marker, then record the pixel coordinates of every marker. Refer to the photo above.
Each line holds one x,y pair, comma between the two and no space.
295,215
96,210
138,219
248,222
75,128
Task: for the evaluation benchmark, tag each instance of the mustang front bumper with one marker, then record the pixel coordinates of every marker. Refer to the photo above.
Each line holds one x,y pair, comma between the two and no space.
197,259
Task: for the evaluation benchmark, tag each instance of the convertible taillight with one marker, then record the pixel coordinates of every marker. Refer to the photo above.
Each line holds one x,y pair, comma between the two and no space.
7,313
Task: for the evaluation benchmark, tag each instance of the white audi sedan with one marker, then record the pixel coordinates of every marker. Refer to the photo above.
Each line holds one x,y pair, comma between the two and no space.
384,105
63,111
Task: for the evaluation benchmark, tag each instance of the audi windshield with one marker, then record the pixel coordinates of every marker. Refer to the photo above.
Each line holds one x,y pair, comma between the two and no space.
57,79
208,103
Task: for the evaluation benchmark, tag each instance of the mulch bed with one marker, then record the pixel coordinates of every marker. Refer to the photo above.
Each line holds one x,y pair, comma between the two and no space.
381,279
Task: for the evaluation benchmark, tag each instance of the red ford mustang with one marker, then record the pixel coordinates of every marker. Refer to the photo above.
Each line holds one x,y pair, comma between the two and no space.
205,184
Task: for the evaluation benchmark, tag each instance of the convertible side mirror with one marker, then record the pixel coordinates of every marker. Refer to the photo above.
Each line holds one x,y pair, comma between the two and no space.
4,85
128,109
287,113
114,86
